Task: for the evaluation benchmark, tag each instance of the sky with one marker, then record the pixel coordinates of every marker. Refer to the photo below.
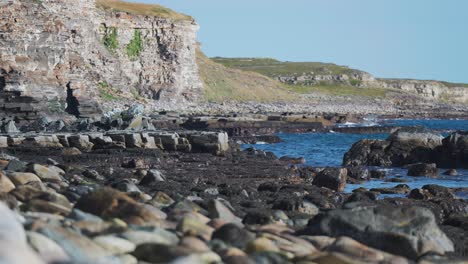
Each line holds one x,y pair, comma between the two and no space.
421,39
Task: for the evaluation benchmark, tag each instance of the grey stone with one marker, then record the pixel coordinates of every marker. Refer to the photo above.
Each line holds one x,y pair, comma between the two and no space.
404,231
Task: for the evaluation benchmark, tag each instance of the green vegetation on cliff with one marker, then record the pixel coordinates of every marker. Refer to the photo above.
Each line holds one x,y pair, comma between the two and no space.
274,68
135,45
110,39
141,9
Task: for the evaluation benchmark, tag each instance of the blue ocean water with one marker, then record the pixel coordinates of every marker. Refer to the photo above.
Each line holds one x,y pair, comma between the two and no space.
328,149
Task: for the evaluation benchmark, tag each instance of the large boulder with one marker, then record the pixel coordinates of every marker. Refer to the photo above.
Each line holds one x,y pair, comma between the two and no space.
423,169
332,178
109,203
405,146
405,231
453,153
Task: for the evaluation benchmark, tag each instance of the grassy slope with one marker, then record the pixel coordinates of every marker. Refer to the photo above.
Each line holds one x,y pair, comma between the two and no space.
274,68
222,84
141,9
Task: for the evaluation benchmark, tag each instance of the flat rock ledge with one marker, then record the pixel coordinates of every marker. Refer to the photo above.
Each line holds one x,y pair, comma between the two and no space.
185,141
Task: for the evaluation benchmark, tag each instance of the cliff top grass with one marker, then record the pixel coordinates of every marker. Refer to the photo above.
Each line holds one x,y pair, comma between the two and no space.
227,84
274,68
141,9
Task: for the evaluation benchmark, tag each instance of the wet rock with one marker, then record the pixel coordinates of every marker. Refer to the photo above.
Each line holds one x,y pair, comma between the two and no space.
453,152
233,235
292,160
109,203
404,146
399,189
378,174
366,196
423,169
451,172
431,191
332,178
358,174
5,183
152,176
404,231
396,179
21,178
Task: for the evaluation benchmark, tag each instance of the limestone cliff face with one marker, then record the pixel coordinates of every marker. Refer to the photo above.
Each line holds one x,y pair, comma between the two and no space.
432,90
55,55
427,89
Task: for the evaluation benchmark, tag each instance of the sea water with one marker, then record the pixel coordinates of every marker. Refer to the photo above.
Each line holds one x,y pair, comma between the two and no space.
328,149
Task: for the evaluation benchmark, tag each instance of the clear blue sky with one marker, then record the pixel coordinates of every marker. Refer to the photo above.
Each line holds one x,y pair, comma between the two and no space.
423,39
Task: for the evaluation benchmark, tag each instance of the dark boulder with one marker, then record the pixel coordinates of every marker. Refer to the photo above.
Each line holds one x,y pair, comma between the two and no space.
451,172
292,160
405,146
399,189
453,153
233,235
357,174
423,169
332,178
407,231
378,174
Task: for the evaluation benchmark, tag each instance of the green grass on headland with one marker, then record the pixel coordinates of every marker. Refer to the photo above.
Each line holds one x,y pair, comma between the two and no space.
225,84
141,9
339,90
274,68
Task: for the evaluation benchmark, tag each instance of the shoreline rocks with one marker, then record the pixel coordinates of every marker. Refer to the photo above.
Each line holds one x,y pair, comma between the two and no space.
409,147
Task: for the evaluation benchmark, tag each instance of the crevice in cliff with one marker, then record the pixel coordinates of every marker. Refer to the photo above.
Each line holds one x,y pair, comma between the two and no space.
2,80
72,103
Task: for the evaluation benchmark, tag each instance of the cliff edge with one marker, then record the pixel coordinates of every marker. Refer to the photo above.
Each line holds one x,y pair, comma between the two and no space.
63,55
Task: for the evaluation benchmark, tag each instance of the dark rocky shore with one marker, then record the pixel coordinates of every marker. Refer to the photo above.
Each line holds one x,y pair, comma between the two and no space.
91,193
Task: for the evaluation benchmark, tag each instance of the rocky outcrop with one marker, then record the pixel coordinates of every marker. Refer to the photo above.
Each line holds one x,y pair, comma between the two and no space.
409,147
61,55
410,232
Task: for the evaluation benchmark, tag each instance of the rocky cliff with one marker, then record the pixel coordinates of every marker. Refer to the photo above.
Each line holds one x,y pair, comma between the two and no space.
329,74
61,55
